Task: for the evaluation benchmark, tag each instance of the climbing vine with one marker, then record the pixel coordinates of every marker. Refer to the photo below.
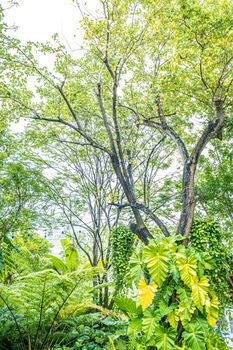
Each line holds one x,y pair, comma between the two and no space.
207,236
122,240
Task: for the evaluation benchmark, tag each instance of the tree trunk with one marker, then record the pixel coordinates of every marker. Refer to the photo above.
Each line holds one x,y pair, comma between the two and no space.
188,198
140,228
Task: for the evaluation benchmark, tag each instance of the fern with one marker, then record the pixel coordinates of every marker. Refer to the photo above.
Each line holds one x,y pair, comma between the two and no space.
40,298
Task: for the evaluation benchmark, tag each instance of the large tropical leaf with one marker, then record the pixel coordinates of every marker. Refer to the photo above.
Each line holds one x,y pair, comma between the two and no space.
149,322
128,306
212,309
157,260
165,309
146,293
186,307
194,337
173,319
200,323
136,267
135,326
185,311
71,254
165,338
58,264
200,291
187,267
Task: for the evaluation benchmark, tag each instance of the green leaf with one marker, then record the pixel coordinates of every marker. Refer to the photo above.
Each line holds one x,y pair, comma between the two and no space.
212,309
149,322
165,309
200,291
58,264
157,260
187,267
194,337
128,306
135,326
136,267
165,338
186,307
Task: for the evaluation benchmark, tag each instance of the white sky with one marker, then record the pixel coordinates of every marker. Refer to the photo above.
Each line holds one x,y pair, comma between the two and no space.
38,20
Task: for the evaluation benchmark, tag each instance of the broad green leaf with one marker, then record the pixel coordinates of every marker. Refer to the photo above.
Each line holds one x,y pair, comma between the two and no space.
185,311
200,291
157,260
135,326
187,269
58,264
212,309
200,323
194,337
149,322
136,267
128,306
165,309
173,319
165,338
186,307
146,293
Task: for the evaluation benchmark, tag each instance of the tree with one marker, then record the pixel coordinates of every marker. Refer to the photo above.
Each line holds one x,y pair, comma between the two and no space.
20,188
80,205
140,72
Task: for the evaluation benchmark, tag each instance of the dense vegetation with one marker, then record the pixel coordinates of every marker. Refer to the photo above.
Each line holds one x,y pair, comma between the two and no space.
126,159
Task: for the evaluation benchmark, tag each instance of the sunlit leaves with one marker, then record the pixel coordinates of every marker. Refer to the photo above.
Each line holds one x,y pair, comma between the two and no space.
212,308
187,269
200,291
149,322
157,259
165,338
146,293
194,337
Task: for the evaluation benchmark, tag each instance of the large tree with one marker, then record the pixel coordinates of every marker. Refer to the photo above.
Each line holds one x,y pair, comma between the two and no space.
148,69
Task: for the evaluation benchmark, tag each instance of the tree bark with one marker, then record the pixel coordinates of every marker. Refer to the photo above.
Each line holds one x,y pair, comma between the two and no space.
188,198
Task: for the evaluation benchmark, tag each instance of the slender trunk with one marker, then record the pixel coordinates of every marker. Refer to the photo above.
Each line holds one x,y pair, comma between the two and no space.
95,277
188,197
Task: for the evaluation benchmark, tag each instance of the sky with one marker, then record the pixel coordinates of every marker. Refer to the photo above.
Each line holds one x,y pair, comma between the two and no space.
38,20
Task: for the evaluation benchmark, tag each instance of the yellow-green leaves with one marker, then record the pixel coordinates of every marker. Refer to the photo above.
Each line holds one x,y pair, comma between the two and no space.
194,337
187,267
179,305
199,291
173,319
149,322
157,260
165,338
146,293
212,308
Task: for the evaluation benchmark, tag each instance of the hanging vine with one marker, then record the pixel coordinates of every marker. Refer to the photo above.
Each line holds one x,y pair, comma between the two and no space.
122,240
206,236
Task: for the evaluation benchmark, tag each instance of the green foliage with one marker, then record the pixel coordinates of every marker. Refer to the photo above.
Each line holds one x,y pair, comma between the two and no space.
183,310
32,306
91,331
122,240
206,238
22,254
70,261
